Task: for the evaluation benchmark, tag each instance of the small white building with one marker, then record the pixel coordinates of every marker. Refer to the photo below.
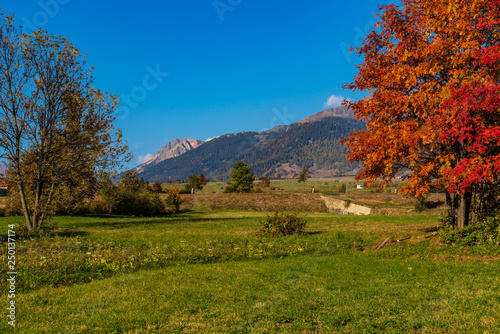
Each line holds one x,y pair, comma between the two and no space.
359,186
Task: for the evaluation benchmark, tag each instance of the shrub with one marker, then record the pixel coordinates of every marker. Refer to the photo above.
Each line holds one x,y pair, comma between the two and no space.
156,187
13,205
342,188
266,183
483,232
123,200
286,224
173,200
99,206
70,200
193,183
420,204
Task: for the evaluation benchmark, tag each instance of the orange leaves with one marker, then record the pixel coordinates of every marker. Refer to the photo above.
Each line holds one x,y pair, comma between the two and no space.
418,61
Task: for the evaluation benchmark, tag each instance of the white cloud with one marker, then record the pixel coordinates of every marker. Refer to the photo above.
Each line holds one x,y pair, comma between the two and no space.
335,101
209,139
143,158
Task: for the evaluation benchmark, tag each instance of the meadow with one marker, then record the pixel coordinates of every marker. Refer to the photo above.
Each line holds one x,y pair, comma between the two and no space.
211,272
323,185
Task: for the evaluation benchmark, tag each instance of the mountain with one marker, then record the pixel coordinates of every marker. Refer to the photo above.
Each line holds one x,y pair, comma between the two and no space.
3,167
332,112
171,150
281,152
208,157
315,145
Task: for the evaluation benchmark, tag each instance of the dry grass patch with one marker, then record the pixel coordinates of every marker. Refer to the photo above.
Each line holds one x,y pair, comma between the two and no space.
268,202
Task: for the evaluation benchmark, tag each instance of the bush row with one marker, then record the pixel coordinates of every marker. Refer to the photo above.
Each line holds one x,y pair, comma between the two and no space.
112,199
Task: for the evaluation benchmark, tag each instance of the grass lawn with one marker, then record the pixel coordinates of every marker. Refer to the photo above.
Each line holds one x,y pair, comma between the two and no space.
208,272
323,185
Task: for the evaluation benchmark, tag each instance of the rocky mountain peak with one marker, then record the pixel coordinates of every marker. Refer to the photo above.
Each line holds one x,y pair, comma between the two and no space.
170,150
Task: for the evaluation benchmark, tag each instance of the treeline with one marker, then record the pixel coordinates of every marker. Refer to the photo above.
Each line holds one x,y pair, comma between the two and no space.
131,196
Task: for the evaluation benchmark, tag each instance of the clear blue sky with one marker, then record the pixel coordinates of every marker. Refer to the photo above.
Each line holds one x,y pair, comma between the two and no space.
203,68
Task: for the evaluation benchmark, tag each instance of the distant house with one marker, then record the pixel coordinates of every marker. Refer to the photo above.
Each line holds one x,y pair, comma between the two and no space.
359,186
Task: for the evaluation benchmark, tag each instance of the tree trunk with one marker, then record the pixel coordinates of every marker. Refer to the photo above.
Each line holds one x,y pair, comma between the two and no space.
24,205
46,207
452,212
36,207
463,213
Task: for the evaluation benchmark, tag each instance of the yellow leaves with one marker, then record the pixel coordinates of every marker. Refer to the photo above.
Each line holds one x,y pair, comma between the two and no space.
427,138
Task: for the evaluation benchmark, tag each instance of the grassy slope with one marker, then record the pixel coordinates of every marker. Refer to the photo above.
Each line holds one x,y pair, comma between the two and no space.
328,286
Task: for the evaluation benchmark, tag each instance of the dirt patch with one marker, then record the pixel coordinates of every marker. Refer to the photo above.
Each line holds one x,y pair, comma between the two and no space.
396,204
256,202
337,205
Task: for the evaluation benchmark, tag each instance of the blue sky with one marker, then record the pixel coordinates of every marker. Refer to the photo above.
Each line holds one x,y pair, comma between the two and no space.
203,68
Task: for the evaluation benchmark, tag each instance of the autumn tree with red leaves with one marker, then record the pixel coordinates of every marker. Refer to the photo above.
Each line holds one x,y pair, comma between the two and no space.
266,183
203,179
433,68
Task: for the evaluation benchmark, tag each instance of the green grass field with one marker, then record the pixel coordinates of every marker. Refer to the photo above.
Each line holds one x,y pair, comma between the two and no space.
323,185
209,272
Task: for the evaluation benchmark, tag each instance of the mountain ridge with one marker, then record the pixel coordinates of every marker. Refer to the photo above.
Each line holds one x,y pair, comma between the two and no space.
313,142
315,145
330,112
170,150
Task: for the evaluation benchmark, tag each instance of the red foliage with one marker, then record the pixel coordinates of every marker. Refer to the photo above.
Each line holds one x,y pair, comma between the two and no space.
433,67
203,179
471,122
266,183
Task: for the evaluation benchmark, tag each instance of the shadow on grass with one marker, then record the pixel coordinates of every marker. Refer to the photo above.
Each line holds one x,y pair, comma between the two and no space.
430,230
122,222
71,233
71,228
36,235
433,204
315,233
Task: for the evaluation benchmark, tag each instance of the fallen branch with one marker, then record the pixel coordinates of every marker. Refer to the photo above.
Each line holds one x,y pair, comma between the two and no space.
382,243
